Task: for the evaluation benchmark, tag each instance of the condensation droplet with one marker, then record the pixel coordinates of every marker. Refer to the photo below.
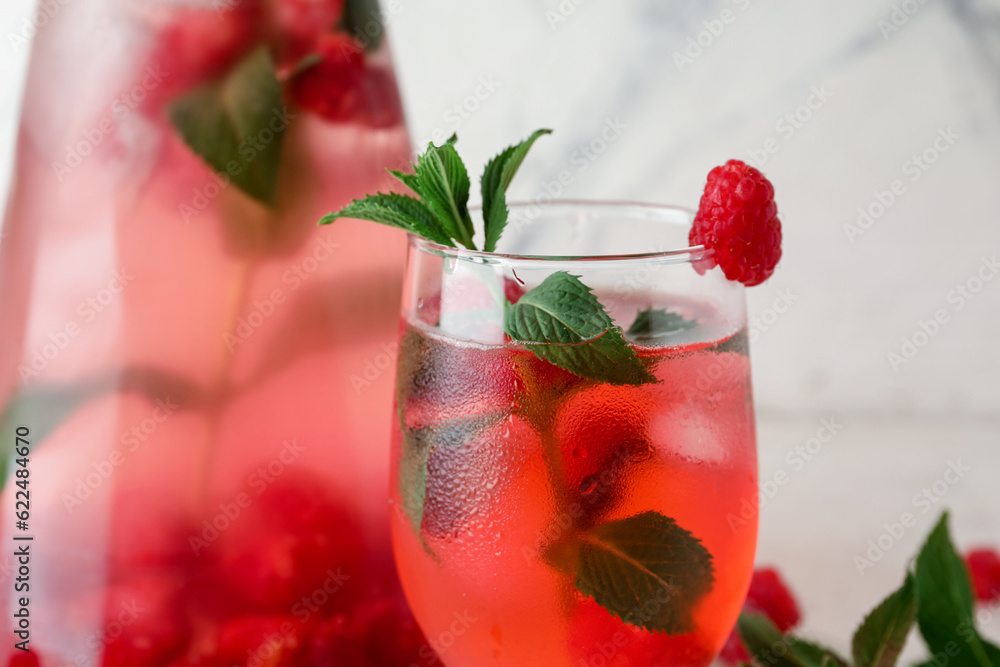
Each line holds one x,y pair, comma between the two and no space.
588,485
580,452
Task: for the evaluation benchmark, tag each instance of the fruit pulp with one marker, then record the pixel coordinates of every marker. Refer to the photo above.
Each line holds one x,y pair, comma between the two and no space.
499,457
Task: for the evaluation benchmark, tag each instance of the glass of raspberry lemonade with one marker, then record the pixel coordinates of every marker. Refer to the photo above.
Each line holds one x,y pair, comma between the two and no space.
548,515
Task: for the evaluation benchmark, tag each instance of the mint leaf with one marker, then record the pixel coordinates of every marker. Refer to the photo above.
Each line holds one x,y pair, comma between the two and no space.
395,211
409,180
770,647
945,603
562,322
646,562
496,179
228,123
363,21
654,323
444,187
880,638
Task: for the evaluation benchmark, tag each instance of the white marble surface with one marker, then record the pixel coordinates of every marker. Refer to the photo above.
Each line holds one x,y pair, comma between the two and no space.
879,97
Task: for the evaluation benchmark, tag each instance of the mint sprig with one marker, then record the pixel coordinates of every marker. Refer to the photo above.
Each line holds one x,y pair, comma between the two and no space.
560,320
229,123
563,323
653,323
937,595
496,179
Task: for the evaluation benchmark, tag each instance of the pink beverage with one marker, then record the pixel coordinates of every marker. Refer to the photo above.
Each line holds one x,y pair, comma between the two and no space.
204,379
555,518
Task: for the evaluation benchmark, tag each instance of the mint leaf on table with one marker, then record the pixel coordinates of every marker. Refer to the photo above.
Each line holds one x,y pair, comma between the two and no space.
444,186
880,638
397,211
769,646
562,322
945,603
496,179
645,562
225,122
653,323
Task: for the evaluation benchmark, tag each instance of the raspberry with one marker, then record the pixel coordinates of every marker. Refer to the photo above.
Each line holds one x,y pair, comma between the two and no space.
200,44
333,88
738,219
984,570
143,623
768,595
24,659
299,22
288,544
602,435
273,641
381,633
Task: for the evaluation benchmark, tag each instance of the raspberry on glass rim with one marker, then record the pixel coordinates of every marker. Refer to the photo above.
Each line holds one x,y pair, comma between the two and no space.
738,219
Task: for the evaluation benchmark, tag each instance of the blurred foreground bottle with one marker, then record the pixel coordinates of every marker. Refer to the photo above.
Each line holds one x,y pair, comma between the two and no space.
202,373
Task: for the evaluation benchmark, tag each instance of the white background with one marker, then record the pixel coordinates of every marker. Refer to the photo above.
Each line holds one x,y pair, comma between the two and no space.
886,96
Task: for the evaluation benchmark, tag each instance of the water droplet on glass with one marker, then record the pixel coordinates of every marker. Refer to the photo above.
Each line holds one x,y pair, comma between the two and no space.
587,486
449,264
580,452
493,482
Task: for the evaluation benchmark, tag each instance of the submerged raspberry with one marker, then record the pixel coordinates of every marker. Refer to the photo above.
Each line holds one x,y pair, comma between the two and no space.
984,570
334,87
299,22
738,219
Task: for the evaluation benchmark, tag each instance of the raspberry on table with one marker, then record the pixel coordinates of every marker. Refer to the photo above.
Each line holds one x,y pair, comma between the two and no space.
768,595
738,219
984,571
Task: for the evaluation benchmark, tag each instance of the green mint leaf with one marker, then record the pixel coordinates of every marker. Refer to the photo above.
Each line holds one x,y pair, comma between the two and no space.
945,602
363,21
653,323
409,180
880,638
395,211
770,647
496,179
444,187
646,562
237,124
563,323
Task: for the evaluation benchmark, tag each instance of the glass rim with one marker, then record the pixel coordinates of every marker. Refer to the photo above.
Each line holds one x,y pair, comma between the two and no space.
685,255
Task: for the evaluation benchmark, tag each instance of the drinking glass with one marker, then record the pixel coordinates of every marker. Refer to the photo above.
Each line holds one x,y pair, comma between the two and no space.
201,376
520,489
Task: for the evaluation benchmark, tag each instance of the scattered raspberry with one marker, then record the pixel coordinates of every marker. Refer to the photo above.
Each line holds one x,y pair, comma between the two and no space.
289,545
334,87
297,24
381,633
768,595
738,219
984,570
